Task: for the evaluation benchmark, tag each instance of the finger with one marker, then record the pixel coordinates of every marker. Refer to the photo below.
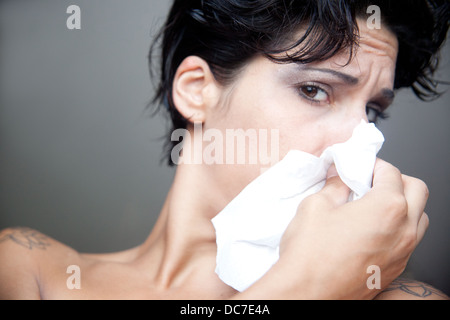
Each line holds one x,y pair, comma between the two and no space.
422,227
335,192
387,184
416,194
387,177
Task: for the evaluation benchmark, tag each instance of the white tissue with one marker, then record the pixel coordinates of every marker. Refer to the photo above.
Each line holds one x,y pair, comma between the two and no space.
249,229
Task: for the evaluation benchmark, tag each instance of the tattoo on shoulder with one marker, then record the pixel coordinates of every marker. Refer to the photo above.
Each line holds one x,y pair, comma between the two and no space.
415,288
27,238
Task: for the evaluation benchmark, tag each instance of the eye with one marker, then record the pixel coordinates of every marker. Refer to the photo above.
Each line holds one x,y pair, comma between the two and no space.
374,113
314,93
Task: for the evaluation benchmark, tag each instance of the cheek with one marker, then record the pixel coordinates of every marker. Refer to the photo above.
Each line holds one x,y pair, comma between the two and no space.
315,136
309,137
272,108
267,110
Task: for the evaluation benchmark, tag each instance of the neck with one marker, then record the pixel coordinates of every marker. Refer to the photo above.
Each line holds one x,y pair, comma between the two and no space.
183,237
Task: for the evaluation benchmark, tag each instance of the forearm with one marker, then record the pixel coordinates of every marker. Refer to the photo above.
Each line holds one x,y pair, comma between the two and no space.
293,280
274,285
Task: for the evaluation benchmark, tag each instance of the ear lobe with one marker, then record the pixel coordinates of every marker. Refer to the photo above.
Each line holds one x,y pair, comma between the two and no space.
189,92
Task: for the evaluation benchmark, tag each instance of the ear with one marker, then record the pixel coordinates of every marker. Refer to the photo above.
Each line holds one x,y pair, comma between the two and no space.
195,89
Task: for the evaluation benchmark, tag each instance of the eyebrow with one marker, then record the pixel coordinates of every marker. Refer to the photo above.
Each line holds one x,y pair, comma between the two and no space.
387,95
347,78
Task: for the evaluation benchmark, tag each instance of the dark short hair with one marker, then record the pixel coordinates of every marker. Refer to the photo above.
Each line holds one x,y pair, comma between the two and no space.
228,33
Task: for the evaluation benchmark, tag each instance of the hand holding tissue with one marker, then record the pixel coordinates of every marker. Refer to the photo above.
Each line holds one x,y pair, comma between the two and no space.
249,229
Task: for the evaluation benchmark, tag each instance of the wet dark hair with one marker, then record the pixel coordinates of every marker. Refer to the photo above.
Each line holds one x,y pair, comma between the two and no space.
228,33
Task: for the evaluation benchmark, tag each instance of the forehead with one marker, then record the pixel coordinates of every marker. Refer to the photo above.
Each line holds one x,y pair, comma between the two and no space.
375,55
379,42
382,42
373,60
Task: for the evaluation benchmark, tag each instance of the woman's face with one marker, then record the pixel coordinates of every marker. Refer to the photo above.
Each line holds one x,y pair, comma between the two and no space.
312,106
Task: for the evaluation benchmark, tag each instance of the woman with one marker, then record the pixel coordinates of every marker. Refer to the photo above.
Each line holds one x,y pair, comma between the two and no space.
312,70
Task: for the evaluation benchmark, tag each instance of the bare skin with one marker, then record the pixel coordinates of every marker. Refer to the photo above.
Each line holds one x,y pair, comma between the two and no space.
124,275
313,108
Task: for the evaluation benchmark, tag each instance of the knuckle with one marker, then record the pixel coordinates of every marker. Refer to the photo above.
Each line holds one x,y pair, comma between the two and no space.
410,240
421,185
396,170
397,205
402,267
311,203
395,213
426,220
424,223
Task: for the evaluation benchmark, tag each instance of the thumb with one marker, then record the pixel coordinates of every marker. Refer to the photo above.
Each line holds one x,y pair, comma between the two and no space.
334,194
335,191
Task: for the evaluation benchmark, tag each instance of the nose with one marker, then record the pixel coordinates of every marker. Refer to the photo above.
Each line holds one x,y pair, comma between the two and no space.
347,122
337,127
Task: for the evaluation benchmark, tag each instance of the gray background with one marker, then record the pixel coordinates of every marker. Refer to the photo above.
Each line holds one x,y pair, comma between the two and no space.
80,159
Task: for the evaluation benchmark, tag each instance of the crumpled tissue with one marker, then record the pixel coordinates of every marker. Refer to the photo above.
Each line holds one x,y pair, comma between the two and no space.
249,229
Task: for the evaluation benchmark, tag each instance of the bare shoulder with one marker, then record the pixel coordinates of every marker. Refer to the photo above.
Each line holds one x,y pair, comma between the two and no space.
406,289
35,266
27,255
